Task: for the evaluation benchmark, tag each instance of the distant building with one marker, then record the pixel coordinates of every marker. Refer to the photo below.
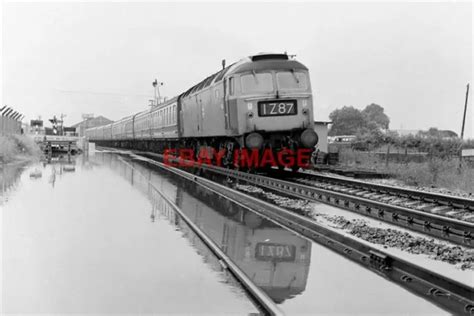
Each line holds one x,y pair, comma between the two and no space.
69,131
321,128
406,132
342,138
36,127
448,134
91,122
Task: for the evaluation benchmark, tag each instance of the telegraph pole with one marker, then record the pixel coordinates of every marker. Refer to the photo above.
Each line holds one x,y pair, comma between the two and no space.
462,128
465,110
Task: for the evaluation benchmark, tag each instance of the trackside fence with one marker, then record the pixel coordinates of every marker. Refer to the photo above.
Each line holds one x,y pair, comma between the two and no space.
10,122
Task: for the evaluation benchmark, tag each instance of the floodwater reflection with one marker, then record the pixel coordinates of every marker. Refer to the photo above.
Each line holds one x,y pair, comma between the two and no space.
104,240
9,179
87,245
275,259
299,275
57,164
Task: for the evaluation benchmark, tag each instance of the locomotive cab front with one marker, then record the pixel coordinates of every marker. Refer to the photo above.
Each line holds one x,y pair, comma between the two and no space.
270,103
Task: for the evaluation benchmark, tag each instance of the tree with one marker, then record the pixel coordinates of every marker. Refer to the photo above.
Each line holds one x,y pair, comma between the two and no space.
375,113
346,121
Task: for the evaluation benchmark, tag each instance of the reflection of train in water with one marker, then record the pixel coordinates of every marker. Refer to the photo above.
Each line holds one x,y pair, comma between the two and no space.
274,258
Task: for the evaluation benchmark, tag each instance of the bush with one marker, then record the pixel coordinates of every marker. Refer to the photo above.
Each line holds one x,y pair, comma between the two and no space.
13,147
434,146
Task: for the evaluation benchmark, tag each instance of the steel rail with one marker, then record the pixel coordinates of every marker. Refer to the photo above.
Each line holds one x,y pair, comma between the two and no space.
443,291
450,229
442,199
453,230
260,298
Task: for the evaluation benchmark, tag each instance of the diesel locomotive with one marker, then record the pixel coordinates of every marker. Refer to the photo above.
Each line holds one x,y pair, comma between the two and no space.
260,103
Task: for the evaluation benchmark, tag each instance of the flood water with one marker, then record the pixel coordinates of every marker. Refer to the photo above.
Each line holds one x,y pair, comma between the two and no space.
96,235
77,238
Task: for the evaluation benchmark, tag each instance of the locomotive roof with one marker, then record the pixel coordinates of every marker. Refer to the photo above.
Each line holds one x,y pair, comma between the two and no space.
257,64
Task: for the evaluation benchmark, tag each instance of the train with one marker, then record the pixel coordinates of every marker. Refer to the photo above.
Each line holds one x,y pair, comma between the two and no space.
274,258
262,103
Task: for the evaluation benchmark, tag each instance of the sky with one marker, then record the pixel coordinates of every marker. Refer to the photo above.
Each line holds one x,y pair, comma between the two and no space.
414,59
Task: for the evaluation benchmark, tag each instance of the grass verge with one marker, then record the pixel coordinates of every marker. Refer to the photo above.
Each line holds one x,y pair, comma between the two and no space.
435,172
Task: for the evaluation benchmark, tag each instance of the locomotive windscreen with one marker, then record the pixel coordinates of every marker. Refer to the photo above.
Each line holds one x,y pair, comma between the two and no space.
269,56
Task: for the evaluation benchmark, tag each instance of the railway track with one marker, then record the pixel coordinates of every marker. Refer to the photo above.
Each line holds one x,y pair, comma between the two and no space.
378,205
440,204
450,294
454,230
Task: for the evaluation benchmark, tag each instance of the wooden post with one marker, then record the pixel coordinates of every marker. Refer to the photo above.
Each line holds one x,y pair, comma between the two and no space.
463,124
465,110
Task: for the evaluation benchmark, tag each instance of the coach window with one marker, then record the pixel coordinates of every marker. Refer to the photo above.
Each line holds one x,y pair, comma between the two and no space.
231,86
256,83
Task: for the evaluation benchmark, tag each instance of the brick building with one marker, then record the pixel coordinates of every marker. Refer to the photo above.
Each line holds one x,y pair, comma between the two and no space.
88,123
